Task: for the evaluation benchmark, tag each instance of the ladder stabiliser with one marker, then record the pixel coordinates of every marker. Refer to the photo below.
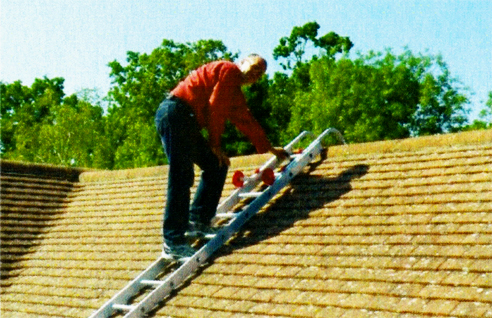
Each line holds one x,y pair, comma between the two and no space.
163,288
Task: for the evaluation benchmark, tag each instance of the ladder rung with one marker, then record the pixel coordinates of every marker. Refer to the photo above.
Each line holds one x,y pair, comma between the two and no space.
225,215
250,194
199,235
177,260
123,307
152,282
209,236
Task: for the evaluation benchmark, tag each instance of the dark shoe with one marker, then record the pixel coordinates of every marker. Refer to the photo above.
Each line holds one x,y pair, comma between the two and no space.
171,251
198,229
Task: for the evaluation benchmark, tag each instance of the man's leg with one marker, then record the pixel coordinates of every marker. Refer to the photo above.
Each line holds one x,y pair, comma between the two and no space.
172,122
209,190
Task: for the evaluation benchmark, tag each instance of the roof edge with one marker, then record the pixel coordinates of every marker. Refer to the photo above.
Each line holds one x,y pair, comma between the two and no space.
476,137
401,145
159,171
41,170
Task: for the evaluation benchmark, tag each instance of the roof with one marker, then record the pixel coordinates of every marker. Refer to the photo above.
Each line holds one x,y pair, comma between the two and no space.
386,229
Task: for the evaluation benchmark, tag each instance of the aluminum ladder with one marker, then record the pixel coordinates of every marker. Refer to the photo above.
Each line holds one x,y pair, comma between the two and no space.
162,288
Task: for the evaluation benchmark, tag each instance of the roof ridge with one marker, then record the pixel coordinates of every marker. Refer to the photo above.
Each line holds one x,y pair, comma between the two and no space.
476,137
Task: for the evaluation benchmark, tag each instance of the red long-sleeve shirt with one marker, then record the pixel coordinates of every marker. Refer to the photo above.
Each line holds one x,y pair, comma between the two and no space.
214,93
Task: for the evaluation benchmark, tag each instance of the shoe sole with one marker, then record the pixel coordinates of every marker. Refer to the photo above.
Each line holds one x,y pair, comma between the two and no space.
168,256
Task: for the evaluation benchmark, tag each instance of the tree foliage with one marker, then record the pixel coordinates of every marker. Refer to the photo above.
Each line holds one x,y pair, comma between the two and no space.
40,124
485,116
294,47
372,96
379,96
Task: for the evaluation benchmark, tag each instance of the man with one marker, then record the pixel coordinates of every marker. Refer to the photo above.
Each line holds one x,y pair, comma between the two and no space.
207,98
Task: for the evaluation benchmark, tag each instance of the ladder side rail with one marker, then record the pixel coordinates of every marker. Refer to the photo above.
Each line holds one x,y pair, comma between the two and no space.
191,265
234,198
297,140
130,290
290,172
334,131
313,150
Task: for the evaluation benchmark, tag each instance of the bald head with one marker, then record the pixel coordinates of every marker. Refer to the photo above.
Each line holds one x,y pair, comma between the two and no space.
253,67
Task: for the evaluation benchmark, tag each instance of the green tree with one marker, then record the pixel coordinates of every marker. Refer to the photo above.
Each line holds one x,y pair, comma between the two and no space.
24,111
40,124
442,103
293,48
292,52
74,138
365,101
13,97
372,97
384,96
485,117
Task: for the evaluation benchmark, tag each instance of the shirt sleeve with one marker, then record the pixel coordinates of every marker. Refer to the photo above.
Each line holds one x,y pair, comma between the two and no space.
242,118
228,102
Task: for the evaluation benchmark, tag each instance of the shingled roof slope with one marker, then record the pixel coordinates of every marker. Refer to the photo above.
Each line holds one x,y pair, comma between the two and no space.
387,229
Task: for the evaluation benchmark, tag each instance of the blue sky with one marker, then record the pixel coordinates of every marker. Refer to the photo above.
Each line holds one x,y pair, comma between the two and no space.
76,39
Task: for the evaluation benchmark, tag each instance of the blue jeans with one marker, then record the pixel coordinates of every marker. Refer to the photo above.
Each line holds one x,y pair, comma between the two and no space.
184,146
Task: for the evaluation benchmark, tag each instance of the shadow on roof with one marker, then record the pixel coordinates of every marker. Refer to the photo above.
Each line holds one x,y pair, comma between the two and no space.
293,205
33,198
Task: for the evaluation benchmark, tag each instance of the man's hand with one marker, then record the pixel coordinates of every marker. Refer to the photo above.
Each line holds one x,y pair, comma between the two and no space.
280,153
223,159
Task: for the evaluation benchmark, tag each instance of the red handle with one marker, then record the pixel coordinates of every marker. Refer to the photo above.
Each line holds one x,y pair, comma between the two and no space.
268,176
238,179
